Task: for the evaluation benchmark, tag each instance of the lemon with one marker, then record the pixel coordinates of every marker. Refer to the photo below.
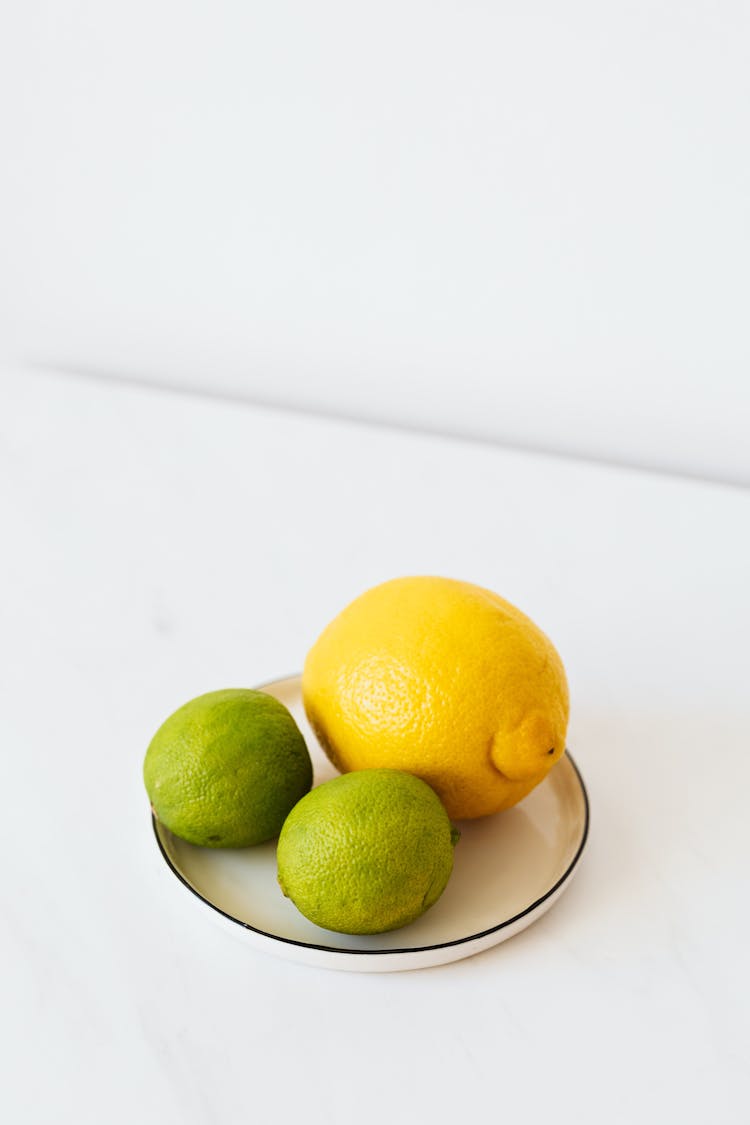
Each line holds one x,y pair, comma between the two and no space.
445,680
366,852
225,769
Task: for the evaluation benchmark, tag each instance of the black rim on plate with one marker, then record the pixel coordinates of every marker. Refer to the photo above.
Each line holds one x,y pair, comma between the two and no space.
402,949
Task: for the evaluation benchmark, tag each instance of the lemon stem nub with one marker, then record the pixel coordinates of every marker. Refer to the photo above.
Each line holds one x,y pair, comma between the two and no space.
455,835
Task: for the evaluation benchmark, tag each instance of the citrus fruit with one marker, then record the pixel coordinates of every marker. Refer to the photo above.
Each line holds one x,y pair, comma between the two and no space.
366,852
446,680
225,769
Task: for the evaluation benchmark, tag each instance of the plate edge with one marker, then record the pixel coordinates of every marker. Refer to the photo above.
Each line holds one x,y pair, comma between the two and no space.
398,950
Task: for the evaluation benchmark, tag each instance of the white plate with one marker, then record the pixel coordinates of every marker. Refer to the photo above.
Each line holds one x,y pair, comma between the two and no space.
509,869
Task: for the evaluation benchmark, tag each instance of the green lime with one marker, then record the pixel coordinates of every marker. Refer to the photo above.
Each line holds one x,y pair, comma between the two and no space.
367,852
224,770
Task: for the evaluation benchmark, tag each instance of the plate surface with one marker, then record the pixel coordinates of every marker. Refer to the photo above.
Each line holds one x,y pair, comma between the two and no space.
509,869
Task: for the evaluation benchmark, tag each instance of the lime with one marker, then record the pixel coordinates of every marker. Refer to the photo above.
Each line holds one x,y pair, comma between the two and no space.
225,769
366,852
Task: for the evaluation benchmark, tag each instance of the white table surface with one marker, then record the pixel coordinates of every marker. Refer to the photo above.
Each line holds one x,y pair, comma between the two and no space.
156,546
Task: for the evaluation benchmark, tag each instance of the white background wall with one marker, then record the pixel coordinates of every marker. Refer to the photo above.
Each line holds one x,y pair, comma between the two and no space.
528,222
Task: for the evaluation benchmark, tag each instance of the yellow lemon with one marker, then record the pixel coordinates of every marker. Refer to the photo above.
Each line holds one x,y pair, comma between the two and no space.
445,680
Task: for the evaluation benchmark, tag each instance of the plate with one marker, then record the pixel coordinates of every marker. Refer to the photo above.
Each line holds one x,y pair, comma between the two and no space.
509,869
